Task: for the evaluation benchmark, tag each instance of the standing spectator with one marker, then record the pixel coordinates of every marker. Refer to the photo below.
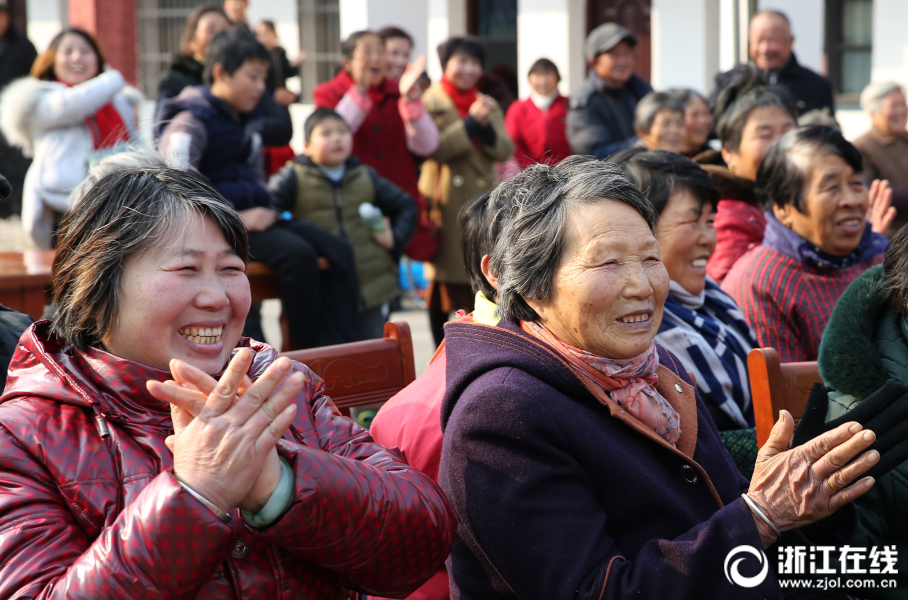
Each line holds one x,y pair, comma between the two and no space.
388,120
659,122
770,50
473,139
698,121
214,130
187,68
749,118
66,115
398,48
236,12
331,189
885,146
601,116
281,68
16,57
537,124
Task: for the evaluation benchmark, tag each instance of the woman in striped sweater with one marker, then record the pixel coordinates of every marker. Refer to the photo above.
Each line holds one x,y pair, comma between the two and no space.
817,241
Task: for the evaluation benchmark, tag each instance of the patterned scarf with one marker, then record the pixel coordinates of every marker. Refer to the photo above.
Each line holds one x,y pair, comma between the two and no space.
629,382
709,334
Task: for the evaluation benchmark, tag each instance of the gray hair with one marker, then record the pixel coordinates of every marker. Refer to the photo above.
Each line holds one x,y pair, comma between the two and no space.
123,214
873,95
132,159
650,106
537,203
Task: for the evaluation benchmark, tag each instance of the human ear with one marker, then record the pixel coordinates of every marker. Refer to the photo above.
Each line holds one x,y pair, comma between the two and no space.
487,271
729,157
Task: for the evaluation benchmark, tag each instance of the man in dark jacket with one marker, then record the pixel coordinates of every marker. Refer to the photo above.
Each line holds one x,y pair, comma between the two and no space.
600,118
770,50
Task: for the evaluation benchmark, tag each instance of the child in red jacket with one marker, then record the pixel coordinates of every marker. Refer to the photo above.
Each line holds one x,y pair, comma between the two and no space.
537,124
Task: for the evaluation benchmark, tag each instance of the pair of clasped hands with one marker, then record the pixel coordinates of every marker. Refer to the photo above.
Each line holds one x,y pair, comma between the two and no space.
226,431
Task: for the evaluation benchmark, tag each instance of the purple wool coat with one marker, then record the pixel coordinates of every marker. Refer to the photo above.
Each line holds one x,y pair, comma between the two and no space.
561,495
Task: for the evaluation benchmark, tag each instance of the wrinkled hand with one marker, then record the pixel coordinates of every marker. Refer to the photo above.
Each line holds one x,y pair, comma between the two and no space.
258,218
227,452
385,237
880,211
481,109
790,486
411,75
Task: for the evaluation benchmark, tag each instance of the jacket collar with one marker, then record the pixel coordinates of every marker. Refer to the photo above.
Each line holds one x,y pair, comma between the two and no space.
731,186
188,66
784,240
886,140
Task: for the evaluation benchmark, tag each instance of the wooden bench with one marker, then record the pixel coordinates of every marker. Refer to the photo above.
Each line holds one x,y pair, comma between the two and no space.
362,373
775,385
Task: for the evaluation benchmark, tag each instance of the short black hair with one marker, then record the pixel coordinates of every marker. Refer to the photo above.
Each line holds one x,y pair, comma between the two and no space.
659,173
390,32
544,65
746,91
480,224
231,49
469,45
318,116
895,272
269,24
348,47
781,177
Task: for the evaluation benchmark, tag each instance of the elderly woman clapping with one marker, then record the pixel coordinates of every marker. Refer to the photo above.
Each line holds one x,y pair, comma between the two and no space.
101,498
702,325
579,458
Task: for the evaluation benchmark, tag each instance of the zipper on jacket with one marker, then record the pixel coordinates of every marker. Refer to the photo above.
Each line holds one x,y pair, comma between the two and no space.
339,208
103,430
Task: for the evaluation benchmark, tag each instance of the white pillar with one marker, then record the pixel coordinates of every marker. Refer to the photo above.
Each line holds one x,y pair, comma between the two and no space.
808,19
890,45
554,29
409,15
446,18
286,20
686,43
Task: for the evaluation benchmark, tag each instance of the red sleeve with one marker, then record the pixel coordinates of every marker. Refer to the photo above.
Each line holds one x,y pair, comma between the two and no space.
739,227
325,95
398,525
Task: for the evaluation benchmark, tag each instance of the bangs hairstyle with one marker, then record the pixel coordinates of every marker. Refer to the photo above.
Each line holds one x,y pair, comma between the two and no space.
469,45
784,171
650,106
895,272
318,116
231,49
544,65
480,224
43,67
659,174
389,33
536,204
192,23
348,47
124,214
746,91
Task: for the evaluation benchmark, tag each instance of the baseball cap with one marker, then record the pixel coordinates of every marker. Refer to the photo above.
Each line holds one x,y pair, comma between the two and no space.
605,37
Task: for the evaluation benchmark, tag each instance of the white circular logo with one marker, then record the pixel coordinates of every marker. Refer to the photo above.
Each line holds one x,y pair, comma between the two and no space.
731,572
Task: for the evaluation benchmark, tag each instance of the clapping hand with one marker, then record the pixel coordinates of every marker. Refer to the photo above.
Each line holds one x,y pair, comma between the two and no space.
411,75
880,211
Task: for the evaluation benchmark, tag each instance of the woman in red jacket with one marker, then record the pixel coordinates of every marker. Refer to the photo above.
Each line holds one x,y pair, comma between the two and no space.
537,124
119,483
388,120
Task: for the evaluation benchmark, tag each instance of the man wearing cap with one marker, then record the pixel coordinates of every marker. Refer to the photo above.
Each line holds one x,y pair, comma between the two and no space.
770,49
600,117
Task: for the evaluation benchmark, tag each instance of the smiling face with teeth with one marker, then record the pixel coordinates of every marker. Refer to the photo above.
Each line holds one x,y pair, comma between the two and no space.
75,61
610,286
686,233
187,298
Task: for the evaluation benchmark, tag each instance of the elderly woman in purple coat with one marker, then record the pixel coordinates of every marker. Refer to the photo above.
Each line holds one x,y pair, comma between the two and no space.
579,457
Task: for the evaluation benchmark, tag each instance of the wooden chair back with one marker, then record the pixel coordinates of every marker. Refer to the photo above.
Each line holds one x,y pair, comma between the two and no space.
775,385
366,372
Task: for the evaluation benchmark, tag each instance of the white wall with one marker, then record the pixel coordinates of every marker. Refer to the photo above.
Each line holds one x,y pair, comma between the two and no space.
890,42
808,18
45,20
446,18
552,29
286,19
685,43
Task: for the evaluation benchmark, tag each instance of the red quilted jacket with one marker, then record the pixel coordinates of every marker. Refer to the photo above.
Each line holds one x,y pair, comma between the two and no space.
86,516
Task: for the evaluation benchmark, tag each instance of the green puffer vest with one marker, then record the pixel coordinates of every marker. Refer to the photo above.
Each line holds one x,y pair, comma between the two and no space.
336,209
864,345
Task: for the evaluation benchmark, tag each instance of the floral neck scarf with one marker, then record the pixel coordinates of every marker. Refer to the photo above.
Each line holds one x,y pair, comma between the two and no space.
629,382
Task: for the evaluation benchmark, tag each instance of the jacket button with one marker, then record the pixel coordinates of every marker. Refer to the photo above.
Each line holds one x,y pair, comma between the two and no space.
376,127
457,180
679,388
379,154
690,474
240,549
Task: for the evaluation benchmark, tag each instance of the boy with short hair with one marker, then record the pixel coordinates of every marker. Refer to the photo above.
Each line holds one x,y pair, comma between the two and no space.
214,129
330,188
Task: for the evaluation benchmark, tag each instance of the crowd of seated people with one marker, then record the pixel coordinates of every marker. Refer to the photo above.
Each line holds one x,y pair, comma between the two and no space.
602,266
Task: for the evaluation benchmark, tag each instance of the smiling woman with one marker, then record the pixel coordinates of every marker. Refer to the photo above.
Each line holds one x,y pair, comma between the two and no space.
143,402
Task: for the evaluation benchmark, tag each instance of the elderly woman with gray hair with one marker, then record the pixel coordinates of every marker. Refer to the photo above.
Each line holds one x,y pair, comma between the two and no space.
885,146
659,122
579,457
149,451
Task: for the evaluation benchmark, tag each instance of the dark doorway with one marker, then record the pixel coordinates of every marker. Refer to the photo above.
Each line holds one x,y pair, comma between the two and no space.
633,14
495,21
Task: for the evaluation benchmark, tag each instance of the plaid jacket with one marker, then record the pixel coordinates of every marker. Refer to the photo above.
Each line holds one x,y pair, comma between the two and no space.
83,516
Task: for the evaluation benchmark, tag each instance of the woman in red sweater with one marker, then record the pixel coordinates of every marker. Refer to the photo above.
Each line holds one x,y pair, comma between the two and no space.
537,124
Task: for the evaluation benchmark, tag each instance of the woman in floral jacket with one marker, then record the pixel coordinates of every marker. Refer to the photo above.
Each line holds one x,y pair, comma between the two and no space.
120,483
